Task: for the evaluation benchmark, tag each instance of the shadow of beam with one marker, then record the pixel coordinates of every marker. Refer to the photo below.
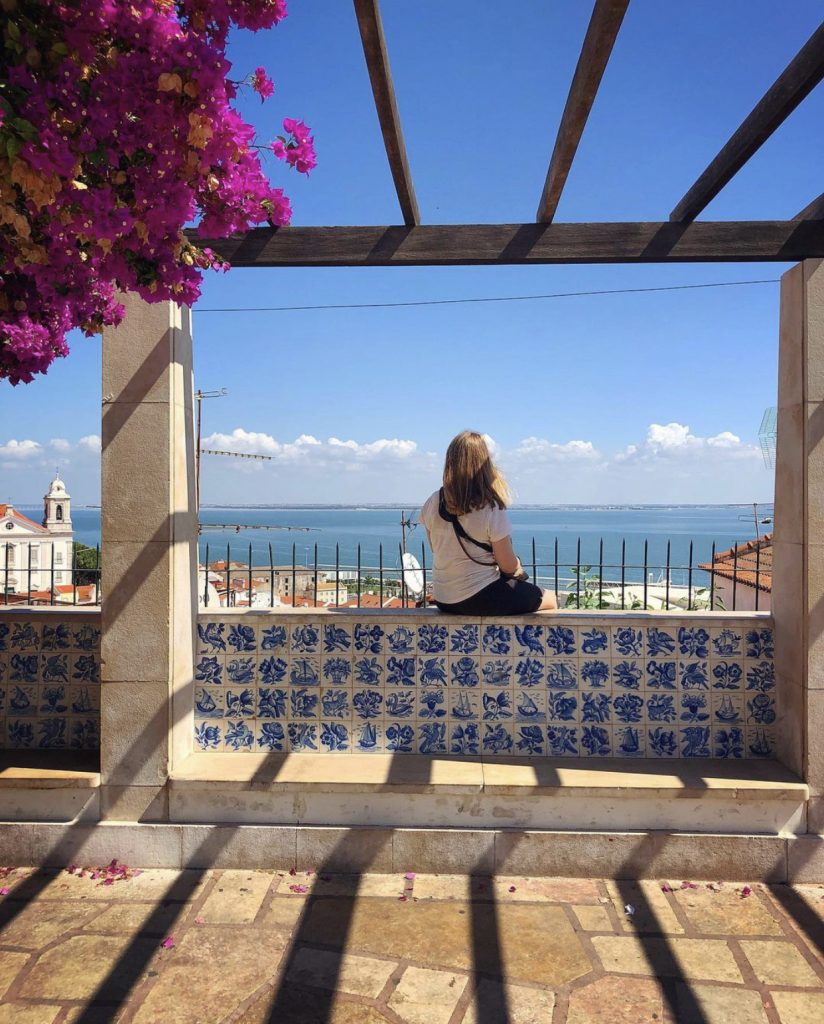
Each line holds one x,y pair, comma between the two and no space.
656,947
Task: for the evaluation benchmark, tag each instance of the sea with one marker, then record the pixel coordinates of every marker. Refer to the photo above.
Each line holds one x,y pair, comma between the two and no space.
645,536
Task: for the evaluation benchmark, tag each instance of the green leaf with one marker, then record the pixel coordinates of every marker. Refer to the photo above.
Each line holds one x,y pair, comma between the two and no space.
24,128
13,146
60,48
13,30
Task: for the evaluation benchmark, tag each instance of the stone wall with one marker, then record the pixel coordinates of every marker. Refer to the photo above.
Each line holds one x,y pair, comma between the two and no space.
573,684
50,679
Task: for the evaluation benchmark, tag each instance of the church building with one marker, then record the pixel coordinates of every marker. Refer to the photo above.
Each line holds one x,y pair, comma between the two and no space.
37,556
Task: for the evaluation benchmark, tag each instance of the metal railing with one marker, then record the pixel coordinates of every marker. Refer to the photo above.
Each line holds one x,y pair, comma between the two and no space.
581,582
38,585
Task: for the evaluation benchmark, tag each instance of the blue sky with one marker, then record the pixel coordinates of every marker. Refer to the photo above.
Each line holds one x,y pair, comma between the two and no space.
587,399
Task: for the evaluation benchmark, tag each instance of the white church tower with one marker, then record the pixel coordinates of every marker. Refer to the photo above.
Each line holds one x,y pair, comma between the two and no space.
57,517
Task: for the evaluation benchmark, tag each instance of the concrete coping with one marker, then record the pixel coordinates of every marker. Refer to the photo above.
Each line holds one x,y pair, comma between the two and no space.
48,770
511,776
568,617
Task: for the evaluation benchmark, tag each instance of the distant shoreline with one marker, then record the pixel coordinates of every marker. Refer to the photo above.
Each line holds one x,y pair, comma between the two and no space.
410,505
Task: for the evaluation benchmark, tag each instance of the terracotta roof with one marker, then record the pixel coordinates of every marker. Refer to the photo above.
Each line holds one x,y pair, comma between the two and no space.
749,564
10,510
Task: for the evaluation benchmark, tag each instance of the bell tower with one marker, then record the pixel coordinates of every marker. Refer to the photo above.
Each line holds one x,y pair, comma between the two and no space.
57,516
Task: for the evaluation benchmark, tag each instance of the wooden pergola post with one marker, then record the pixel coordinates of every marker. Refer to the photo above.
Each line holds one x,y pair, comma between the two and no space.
149,556
798,580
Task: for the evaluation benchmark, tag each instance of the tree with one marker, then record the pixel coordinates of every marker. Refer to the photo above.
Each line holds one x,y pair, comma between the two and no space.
86,564
104,107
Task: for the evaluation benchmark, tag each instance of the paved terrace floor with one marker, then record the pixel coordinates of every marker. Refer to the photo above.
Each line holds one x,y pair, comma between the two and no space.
255,946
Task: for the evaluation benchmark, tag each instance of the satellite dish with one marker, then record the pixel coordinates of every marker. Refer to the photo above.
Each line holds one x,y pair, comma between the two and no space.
412,575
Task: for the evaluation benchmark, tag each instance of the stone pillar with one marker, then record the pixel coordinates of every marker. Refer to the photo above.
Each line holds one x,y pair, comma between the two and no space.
798,579
149,557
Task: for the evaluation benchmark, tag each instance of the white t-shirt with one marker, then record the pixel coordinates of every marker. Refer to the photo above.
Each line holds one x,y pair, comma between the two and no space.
456,577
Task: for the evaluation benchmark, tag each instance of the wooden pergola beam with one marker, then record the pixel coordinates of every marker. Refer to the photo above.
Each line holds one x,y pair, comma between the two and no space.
377,63
607,16
814,211
491,244
797,80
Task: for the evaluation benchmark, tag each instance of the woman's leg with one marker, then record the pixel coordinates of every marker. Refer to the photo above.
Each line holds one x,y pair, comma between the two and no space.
549,602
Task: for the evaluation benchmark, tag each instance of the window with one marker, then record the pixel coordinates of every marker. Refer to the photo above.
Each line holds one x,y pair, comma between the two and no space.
58,558
34,555
59,514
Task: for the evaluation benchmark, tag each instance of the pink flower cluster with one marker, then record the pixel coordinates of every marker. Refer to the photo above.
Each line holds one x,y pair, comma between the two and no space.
116,130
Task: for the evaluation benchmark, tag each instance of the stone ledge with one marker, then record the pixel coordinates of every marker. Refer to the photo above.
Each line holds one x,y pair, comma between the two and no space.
381,773
35,770
615,854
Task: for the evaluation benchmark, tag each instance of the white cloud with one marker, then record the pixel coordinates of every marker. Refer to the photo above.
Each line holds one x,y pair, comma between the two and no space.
22,450
309,448
670,464
675,441
543,449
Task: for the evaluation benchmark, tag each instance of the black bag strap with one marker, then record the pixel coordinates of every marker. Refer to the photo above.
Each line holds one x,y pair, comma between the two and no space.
461,533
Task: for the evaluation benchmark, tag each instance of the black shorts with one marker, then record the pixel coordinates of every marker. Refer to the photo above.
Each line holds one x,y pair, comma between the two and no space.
503,597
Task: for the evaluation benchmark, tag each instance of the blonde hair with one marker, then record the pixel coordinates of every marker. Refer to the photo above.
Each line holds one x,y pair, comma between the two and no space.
470,478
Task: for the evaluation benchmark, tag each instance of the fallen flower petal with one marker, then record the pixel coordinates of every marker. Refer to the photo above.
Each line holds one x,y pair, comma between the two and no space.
409,876
746,891
629,910
293,871
512,888
200,920
402,898
5,891
299,888
688,885
168,943
666,888
108,881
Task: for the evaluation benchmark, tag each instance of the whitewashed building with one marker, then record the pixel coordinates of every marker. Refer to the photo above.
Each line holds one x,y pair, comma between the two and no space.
30,552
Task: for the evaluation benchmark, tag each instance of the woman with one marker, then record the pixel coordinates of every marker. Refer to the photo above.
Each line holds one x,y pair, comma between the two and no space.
476,571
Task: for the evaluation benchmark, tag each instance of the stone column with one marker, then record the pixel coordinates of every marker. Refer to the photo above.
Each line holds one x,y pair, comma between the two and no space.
149,557
798,579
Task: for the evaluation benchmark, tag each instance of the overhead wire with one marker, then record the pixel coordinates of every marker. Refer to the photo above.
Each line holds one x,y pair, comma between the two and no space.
484,299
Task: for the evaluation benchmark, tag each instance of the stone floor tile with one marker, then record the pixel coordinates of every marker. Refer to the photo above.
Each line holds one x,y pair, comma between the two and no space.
551,890
149,918
509,1004
725,912
799,1007
281,913
94,1014
616,1001
450,887
593,918
693,959
355,975
343,885
653,912
217,971
38,924
27,1013
522,942
292,1004
79,965
236,897
152,884
427,997
779,963
713,1004
10,966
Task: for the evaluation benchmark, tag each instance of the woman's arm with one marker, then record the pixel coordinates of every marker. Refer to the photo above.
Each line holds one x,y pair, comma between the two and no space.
506,558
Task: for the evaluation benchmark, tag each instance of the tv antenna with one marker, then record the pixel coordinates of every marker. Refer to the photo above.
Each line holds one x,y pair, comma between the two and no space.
199,396
767,434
